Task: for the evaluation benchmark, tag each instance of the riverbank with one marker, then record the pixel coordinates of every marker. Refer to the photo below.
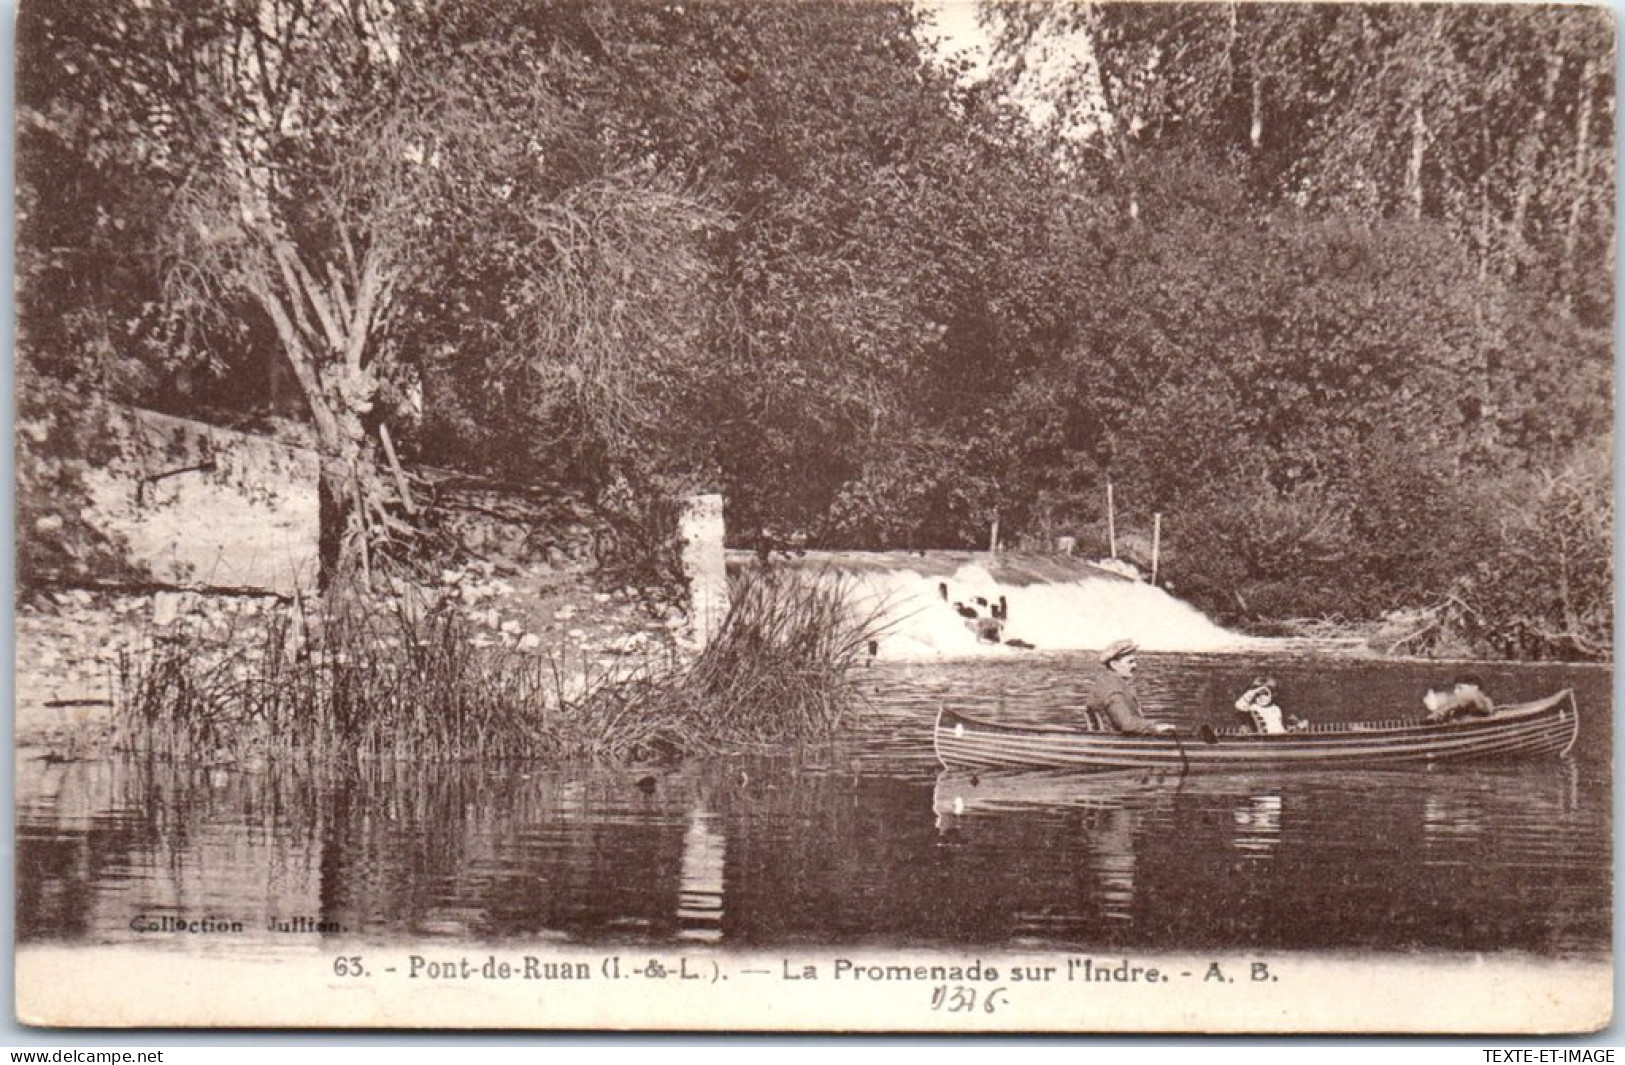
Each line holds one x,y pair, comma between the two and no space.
76,647
535,643
443,673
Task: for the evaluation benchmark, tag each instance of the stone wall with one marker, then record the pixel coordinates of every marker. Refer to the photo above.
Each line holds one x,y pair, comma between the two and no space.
202,507
168,502
210,533
202,533
75,646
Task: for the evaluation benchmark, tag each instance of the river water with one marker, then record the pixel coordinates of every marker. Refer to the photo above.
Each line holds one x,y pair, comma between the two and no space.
862,842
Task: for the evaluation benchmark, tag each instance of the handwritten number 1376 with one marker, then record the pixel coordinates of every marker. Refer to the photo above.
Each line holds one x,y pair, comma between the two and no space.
961,999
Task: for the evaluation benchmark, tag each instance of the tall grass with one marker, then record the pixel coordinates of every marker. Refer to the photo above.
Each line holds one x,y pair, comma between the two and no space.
781,666
370,684
364,684
779,670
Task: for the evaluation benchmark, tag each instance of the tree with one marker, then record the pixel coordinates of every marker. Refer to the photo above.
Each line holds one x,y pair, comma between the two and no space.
875,279
1487,118
1358,266
336,168
1258,376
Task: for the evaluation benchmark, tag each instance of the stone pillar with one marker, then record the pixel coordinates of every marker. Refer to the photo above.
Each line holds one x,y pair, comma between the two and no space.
704,565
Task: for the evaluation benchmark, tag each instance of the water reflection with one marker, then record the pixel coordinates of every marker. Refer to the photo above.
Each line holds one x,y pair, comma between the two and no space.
1523,819
1258,825
1114,862
699,899
1120,806
1389,858
870,844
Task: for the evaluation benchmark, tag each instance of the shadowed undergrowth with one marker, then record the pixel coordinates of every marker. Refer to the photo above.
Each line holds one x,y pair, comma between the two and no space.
361,683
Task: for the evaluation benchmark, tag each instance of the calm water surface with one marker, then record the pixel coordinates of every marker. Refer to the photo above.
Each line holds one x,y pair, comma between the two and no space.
866,841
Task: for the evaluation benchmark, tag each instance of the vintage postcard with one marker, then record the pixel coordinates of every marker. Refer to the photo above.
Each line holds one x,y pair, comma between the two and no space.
919,516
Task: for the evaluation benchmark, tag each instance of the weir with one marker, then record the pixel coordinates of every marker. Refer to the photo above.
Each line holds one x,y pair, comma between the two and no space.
1026,602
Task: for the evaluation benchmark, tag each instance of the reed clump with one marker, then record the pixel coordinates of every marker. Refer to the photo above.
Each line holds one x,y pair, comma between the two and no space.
779,670
365,682
352,681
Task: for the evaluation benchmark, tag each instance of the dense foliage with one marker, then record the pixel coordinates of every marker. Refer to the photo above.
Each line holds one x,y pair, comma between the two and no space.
1329,287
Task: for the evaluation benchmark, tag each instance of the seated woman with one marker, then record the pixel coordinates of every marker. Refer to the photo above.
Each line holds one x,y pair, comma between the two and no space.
1258,703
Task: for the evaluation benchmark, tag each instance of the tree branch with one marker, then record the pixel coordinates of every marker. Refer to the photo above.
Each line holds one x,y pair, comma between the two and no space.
395,467
336,285
318,300
366,299
299,357
295,304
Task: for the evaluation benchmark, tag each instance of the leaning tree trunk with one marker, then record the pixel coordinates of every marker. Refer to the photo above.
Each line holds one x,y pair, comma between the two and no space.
339,390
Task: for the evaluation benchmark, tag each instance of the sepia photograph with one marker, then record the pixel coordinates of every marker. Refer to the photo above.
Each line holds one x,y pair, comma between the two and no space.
923,516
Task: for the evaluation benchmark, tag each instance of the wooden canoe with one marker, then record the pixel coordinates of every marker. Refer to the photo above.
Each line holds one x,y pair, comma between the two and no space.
1546,726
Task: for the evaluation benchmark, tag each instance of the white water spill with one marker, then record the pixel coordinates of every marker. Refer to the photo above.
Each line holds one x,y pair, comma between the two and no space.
1082,614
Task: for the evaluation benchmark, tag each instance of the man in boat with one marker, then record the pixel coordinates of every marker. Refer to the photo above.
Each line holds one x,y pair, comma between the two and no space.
1112,692
1464,698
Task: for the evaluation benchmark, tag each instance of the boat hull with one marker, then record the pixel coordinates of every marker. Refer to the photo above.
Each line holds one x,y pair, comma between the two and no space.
1546,727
